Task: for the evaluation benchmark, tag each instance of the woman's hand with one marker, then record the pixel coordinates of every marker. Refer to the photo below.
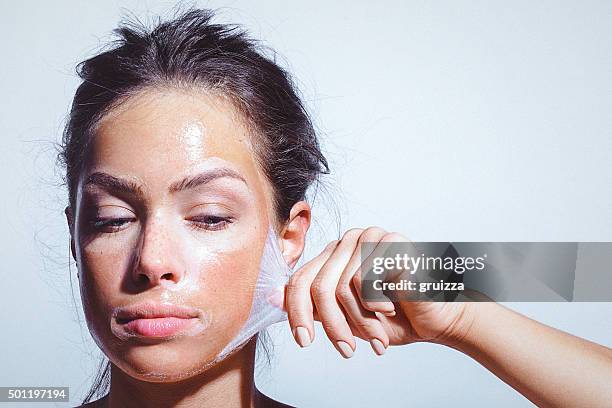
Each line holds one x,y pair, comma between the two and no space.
328,289
546,365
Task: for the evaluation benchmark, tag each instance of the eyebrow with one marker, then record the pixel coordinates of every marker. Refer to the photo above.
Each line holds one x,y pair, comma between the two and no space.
191,182
112,183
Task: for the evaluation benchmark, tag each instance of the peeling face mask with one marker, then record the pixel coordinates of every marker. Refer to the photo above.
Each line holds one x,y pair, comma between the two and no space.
266,308
268,297
205,252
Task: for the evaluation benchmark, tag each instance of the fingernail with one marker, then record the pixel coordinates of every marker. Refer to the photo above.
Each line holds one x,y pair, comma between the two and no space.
389,314
302,336
345,349
378,346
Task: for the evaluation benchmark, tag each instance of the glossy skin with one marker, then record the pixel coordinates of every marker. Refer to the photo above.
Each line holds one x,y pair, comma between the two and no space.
200,247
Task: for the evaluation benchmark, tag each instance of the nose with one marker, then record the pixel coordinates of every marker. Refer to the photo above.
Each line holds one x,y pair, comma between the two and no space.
157,260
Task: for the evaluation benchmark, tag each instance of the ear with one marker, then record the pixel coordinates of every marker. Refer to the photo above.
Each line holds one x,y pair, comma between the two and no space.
70,220
293,234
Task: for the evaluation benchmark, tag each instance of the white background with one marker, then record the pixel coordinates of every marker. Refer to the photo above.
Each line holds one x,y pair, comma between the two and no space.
446,121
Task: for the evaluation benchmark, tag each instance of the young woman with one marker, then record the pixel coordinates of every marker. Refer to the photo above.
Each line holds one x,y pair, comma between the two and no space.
184,145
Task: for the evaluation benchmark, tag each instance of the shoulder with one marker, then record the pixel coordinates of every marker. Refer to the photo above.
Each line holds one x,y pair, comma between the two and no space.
263,401
94,404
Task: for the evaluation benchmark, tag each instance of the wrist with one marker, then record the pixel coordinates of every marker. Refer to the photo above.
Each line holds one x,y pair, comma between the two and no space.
482,323
462,333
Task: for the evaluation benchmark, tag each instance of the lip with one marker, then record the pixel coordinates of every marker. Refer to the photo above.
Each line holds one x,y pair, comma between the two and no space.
156,321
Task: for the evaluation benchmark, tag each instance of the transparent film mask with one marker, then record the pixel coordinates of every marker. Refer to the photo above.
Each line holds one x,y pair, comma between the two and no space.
268,297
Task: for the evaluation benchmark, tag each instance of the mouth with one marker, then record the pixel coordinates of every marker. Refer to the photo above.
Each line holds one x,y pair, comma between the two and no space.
151,321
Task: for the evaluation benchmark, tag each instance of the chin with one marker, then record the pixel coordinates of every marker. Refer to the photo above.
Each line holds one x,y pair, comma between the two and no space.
156,363
170,360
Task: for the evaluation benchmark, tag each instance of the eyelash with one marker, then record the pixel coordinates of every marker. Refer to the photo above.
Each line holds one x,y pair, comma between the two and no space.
100,224
199,223
219,224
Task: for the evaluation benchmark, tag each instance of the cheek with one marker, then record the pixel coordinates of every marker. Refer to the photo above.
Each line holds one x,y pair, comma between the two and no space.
221,273
227,290
100,281
102,267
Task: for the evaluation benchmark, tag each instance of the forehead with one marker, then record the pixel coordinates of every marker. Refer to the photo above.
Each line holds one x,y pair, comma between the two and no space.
160,133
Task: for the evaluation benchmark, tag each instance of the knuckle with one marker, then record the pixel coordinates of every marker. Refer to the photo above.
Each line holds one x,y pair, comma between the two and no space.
344,294
372,233
296,283
353,233
365,326
320,289
394,237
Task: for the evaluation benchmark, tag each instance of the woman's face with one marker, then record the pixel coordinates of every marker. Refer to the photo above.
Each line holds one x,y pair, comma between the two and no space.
171,218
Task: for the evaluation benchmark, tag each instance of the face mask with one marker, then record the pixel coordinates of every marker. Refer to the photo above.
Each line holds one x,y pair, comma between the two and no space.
268,299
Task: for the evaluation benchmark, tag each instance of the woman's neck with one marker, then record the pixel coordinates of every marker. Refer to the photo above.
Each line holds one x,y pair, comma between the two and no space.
227,384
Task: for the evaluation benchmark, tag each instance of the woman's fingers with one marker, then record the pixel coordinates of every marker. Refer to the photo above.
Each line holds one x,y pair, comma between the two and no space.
298,299
365,321
323,292
373,235
328,289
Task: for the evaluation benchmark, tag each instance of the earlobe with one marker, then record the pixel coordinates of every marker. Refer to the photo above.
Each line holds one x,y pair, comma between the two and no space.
293,235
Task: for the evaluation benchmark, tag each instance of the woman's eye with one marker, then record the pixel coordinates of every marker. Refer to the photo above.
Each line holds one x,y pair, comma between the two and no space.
110,224
211,222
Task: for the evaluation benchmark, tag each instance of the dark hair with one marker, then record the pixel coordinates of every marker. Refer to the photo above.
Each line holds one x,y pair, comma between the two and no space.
189,51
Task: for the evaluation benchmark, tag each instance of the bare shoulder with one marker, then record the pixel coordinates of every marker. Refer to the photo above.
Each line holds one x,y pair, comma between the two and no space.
101,403
263,401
